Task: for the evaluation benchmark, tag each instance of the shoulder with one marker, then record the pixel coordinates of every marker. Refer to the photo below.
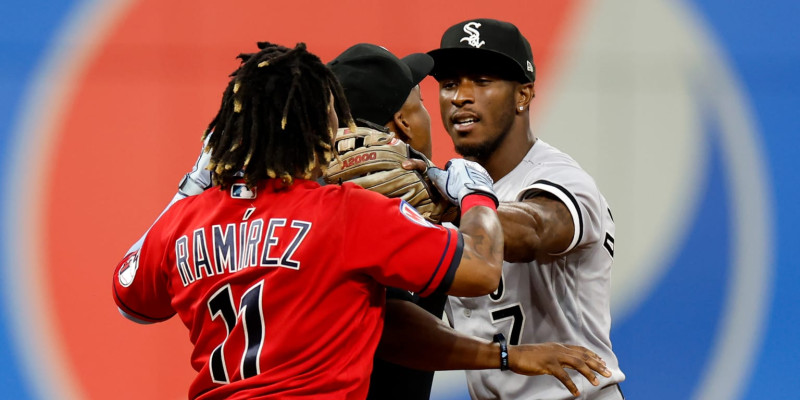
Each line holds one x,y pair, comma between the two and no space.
188,210
211,195
349,191
559,167
178,209
546,156
546,168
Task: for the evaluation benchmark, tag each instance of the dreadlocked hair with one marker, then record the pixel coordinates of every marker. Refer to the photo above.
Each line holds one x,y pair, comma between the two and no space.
273,121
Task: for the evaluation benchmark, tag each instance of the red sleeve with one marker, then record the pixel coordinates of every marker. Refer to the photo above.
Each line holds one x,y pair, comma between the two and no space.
140,283
390,241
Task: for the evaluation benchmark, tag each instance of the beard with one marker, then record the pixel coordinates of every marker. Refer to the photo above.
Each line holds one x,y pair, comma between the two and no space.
483,151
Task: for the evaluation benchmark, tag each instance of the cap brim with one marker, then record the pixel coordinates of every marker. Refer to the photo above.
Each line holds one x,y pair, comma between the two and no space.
454,59
420,65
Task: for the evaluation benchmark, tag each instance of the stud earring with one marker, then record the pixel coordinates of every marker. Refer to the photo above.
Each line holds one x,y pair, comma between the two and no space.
521,108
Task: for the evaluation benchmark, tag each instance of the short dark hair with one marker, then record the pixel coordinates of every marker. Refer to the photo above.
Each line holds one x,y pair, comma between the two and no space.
273,120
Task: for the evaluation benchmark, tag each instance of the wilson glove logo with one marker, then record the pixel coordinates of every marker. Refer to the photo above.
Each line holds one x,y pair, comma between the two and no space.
358,159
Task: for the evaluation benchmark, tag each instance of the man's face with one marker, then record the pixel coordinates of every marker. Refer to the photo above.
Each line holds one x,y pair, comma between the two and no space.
419,122
477,111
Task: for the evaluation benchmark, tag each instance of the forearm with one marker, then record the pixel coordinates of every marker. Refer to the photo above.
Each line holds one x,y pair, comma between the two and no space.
482,226
481,262
413,338
416,339
534,227
520,238
468,185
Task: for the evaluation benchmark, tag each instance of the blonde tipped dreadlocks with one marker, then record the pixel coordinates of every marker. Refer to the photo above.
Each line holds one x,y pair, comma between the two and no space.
273,121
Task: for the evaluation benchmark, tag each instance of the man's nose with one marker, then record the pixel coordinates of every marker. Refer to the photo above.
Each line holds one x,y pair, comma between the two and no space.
464,94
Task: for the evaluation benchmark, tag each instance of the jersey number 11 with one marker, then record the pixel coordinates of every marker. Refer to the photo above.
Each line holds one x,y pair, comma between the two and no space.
221,305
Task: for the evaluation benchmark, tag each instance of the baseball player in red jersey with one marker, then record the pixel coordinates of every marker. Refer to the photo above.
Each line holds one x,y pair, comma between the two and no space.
279,280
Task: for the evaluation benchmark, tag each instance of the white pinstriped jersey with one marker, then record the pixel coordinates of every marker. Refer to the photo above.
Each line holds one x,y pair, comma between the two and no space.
557,298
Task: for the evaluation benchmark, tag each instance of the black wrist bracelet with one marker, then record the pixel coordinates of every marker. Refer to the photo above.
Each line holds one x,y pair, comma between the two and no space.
499,338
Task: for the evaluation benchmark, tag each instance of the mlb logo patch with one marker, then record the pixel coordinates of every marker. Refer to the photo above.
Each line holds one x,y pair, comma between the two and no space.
413,215
240,191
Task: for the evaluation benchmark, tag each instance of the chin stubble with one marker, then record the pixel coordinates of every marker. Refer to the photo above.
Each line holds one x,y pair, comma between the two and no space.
482,151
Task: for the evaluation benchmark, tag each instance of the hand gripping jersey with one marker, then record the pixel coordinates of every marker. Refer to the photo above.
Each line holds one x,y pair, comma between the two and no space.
556,298
283,290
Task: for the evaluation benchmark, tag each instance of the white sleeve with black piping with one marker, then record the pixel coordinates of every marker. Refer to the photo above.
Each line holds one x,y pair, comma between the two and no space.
567,198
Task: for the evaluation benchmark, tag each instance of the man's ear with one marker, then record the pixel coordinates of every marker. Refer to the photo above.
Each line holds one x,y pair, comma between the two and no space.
525,94
401,127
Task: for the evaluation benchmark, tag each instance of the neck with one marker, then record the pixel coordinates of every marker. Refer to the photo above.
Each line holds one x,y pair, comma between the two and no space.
511,150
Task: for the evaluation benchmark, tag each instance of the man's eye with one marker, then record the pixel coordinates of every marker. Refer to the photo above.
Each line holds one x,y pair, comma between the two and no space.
447,84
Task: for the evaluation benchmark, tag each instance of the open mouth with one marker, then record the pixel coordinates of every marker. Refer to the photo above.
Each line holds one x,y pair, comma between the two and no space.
464,122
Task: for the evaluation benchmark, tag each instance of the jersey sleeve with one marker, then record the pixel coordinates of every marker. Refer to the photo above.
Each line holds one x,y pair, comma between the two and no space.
578,191
140,283
390,241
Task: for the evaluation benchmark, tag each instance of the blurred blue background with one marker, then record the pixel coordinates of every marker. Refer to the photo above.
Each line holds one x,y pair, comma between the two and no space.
690,110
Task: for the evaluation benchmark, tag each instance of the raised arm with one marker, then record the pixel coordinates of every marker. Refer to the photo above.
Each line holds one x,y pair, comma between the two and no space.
539,225
536,226
469,186
193,183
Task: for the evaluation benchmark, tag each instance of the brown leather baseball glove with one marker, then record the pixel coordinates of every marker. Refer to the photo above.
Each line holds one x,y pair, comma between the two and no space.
372,159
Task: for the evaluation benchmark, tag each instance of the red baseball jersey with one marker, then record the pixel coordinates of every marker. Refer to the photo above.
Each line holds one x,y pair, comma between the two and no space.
282,289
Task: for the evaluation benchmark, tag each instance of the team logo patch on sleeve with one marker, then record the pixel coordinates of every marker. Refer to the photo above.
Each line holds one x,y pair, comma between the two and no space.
128,269
413,215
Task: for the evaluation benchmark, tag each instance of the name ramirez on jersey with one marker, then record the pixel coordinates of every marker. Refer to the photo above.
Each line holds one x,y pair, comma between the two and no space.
232,248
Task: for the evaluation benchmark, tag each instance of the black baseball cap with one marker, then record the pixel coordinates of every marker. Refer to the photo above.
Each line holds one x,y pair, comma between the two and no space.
376,82
486,45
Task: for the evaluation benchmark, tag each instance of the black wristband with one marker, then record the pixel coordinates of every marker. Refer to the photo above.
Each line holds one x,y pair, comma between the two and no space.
499,338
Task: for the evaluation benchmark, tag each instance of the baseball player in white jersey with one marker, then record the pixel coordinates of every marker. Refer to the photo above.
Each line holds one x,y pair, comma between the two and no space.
561,297
558,228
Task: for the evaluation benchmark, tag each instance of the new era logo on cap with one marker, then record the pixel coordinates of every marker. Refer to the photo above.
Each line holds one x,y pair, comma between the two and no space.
483,43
